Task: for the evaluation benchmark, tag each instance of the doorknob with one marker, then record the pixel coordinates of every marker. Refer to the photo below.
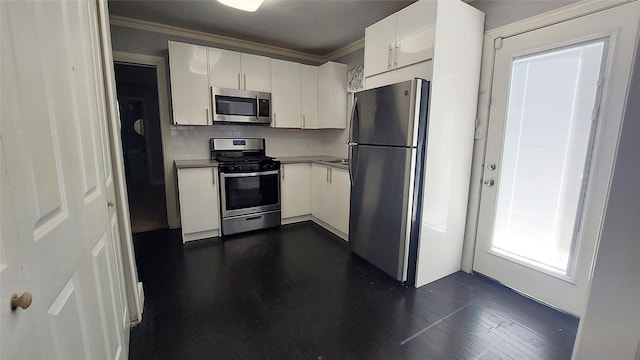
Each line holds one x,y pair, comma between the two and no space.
23,301
489,182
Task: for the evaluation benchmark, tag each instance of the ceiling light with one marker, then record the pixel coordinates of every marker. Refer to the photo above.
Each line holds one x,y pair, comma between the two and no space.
244,5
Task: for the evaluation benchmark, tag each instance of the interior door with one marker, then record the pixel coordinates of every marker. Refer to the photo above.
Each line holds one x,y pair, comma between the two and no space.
56,174
557,99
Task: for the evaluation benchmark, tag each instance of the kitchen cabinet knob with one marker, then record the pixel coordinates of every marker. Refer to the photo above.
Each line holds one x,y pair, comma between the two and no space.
110,203
23,301
389,58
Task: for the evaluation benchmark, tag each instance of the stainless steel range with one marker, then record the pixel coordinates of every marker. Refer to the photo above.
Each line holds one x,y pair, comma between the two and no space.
249,185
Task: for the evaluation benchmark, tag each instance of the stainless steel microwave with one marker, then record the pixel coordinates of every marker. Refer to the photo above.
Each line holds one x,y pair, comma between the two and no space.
240,106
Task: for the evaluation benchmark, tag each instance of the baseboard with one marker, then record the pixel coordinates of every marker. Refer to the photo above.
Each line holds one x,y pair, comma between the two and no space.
335,231
296,219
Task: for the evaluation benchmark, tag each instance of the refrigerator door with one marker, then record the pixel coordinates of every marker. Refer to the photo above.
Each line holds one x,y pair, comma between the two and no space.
387,115
381,199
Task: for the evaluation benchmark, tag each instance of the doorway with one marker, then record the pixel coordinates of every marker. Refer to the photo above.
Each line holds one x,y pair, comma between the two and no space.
557,94
137,91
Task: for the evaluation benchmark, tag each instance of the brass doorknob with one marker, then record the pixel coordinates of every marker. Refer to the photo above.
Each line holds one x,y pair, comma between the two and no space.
23,301
110,203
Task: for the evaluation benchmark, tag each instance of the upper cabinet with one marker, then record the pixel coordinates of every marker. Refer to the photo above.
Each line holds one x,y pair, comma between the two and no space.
302,96
234,70
332,96
401,39
285,94
309,96
189,84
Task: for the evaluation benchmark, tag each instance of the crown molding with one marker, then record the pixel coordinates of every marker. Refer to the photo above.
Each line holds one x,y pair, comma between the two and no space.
356,45
218,39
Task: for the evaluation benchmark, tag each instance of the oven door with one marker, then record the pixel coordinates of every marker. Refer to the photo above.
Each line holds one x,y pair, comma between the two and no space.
249,193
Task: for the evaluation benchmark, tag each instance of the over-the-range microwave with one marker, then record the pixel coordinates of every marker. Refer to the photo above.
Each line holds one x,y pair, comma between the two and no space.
240,106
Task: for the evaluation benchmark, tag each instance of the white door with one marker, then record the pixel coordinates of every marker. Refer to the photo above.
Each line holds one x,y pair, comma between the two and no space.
55,189
557,99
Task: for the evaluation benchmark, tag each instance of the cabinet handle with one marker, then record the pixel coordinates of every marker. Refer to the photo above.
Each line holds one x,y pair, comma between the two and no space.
327,174
282,171
239,84
389,57
274,119
206,111
395,57
245,81
215,172
304,121
330,175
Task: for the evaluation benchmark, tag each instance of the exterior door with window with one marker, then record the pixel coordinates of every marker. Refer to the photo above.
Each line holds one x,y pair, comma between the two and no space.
556,108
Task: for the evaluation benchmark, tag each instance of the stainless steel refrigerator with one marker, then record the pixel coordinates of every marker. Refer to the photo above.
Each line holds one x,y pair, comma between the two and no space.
387,143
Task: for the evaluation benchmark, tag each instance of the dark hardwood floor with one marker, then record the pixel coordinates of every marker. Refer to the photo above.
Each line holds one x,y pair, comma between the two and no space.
298,293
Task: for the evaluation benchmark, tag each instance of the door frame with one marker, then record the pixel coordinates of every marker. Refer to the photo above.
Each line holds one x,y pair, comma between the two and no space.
134,289
562,14
170,186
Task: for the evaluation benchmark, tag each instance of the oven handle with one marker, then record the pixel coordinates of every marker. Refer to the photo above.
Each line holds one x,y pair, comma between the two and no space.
230,175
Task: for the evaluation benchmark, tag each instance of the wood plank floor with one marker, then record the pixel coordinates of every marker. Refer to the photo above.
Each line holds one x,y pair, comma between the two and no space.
298,293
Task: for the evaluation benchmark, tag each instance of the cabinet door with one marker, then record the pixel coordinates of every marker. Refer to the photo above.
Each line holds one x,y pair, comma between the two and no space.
285,94
295,187
198,191
379,40
309,96
340,194
320,199
256,72
189,84
224,69
414,33
332,95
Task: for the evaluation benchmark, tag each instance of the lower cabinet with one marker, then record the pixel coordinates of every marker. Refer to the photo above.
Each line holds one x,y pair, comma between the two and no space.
199,204
330,194
295,185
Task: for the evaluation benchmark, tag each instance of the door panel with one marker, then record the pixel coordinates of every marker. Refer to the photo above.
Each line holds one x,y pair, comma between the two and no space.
379,205
557,99
383,116
54,167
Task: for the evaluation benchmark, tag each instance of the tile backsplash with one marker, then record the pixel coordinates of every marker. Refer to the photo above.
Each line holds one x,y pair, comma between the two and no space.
192,142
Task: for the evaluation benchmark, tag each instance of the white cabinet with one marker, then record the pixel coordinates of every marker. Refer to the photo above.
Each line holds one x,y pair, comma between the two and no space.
189,84
234,70
295,189
199,206
341,191
309,96
330,196
285,94
332,96
401,39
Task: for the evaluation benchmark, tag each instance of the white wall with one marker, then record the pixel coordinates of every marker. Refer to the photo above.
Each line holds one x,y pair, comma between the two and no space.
610,328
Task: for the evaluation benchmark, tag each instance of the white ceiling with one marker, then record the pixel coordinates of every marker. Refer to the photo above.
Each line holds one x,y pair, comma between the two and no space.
316,27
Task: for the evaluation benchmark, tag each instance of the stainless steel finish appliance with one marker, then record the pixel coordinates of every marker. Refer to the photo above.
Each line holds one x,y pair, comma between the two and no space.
240,106
249,185
387,142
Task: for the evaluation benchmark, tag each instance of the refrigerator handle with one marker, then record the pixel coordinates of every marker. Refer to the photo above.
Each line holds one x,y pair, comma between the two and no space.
351,120
350,142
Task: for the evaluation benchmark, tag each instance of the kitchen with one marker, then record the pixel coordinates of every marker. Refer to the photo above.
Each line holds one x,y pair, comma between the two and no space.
243,304
283,143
